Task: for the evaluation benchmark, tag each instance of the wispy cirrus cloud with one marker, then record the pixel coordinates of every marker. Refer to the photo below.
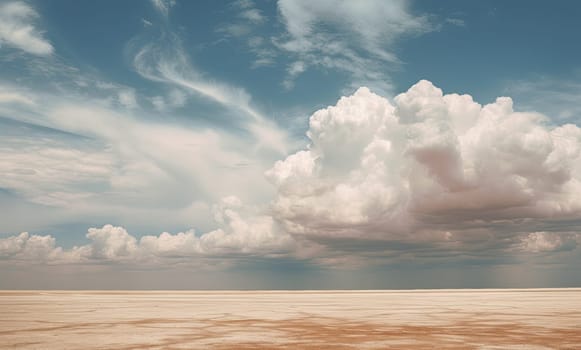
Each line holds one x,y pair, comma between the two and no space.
356,38
9,95
555,97
163,6
245,21
17,29
166,61
246,25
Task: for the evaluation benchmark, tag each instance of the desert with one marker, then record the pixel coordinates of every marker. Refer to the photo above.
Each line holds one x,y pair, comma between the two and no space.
416,319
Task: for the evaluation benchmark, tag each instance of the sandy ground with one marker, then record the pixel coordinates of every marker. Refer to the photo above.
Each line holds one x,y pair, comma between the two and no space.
443,319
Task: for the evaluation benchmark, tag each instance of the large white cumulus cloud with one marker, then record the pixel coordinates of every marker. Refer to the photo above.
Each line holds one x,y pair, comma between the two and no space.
428,162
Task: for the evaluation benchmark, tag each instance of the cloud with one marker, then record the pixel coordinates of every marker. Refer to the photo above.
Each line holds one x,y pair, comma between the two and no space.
163,6
151,156
552,96
430,168
245,24
239,235
165,61
355,37
127,98
50,173
253,16
456,21
264,54
17,29
174,99
82,157
235,29
425,175
146,23
243,4
74,146
536,242
177,98
10,95
159,103
28,247
110,243
294,70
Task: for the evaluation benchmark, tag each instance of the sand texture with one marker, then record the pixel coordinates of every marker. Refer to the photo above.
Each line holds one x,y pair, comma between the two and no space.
436,319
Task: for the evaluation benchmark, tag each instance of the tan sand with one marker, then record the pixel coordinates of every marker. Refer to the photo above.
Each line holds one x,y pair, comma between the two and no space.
435,319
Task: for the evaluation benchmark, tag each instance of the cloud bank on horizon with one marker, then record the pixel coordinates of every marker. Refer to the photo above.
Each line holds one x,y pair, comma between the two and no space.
419,177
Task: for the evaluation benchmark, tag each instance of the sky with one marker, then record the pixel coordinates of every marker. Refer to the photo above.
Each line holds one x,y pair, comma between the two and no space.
290,144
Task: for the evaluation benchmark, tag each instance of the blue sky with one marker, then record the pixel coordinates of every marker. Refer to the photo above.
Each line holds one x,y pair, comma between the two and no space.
170,138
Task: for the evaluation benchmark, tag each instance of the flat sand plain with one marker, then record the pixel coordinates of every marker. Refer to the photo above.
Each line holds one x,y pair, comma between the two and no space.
427,319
